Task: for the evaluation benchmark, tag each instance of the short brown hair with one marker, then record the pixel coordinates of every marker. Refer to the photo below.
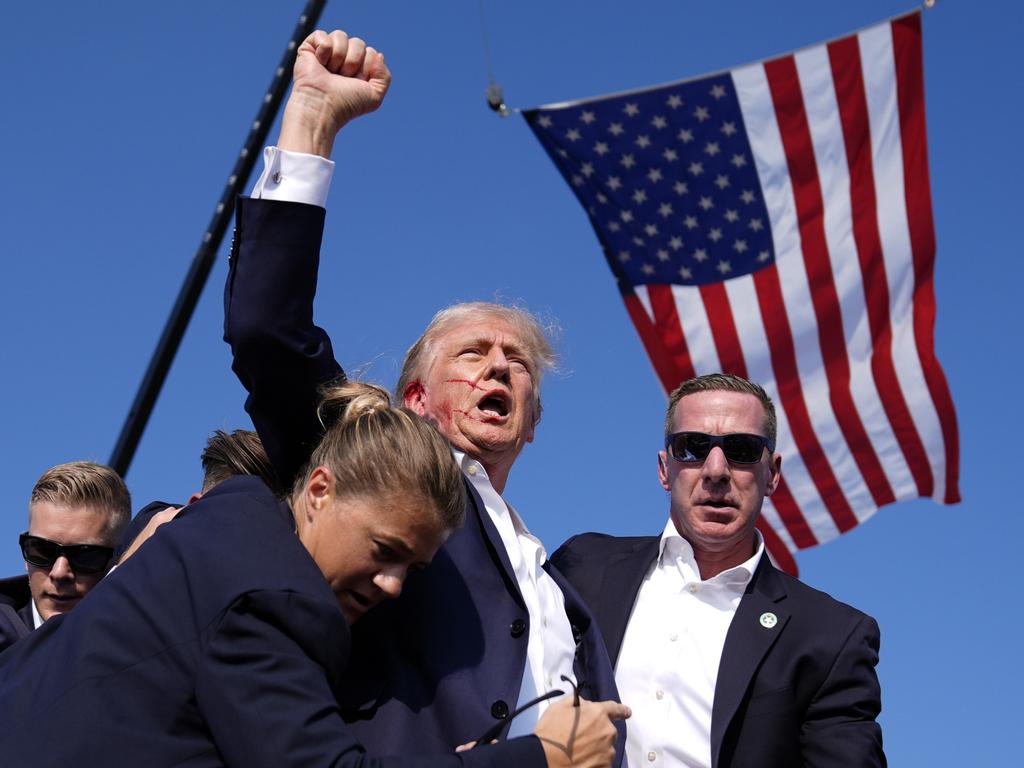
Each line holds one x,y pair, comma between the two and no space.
534,335
86,483
237,453
722,382
374,449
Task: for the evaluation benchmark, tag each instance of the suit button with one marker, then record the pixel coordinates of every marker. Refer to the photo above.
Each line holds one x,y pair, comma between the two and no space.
517,628
499,710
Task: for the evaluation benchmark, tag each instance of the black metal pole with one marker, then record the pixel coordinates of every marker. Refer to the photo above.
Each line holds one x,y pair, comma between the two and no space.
202,262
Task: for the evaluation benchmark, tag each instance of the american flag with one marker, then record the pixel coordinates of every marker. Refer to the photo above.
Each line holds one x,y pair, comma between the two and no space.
774,221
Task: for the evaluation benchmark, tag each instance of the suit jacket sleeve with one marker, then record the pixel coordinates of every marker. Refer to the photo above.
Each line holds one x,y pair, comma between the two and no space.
840,727
278,353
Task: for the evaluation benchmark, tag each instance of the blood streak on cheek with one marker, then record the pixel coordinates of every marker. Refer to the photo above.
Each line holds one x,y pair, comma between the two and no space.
467,382
469,416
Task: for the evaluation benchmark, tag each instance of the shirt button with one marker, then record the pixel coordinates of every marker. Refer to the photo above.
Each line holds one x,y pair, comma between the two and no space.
673,637
692,588
471,469
659,694
652,756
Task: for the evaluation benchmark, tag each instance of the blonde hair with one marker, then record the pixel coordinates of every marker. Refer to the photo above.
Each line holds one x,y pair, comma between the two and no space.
533,333
375,449
85,483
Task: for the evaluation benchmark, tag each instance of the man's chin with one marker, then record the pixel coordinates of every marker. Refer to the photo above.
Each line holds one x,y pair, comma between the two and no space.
55,607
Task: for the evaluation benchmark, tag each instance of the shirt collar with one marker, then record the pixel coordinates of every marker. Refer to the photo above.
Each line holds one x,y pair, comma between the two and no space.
673,548
37,619
477,476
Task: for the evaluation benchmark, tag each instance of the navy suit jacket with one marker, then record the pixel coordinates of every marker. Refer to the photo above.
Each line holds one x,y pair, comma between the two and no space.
15,610
803,692
138,523
444,662
218,643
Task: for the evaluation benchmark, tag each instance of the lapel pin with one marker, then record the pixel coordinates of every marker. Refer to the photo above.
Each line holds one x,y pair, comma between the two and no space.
769,619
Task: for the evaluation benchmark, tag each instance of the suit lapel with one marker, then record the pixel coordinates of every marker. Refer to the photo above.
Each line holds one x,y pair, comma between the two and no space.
619,587
746,644
493,541
25,612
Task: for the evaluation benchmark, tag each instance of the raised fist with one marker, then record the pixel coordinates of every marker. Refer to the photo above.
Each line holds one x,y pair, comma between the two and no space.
336,78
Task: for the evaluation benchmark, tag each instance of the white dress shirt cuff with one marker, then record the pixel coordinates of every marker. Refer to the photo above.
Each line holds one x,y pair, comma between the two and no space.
294,177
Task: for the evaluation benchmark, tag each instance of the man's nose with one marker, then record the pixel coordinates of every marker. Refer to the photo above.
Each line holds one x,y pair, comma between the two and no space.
497,364
390,582
61,569
716,467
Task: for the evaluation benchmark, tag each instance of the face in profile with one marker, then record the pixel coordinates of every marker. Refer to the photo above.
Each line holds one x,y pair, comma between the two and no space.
715,502
59,588
479,388
366,546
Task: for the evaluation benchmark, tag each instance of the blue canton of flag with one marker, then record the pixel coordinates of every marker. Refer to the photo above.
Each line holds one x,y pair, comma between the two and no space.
668,179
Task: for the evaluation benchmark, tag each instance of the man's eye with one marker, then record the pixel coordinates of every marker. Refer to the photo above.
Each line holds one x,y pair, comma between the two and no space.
385,552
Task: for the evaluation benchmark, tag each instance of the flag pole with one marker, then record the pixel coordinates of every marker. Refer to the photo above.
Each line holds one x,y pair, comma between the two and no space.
202,262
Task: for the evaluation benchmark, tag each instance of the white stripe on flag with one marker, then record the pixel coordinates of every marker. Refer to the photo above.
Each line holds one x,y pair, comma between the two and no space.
887,156
833,174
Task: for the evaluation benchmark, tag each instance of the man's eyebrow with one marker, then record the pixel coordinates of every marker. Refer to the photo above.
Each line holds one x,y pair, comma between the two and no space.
397,544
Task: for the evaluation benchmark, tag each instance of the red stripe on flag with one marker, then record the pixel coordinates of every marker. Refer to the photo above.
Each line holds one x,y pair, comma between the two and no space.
791,516
783,357
780,552
723,329
847,75
668,353
784,84
906,35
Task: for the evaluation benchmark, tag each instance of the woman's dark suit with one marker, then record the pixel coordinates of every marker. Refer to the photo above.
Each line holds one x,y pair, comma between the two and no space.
218,643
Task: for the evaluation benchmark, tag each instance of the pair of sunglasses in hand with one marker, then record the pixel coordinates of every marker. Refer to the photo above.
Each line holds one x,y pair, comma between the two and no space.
495,730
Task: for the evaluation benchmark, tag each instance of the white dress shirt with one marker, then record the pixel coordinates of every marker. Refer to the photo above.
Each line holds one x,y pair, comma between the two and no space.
37,618
668,663
551,649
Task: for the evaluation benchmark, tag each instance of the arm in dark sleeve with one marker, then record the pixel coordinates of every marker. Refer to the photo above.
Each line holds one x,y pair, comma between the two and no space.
839,727
264,690
278,354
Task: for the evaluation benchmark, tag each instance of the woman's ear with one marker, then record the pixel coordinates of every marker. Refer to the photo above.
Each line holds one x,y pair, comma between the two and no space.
319,491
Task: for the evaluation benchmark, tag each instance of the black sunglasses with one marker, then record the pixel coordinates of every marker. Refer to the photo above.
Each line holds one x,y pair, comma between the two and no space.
495,730
739,448
83,558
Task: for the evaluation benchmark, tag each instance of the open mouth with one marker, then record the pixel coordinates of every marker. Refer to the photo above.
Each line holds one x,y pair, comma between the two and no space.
720,508
495,404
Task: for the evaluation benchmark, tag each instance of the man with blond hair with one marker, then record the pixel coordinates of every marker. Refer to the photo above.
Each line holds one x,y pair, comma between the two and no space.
76,515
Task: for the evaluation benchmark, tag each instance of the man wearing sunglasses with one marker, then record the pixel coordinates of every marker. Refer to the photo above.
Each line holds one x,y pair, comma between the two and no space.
724,659
77,513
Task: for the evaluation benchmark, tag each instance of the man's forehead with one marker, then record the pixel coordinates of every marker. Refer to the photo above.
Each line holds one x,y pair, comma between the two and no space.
62,522
720,411
485,329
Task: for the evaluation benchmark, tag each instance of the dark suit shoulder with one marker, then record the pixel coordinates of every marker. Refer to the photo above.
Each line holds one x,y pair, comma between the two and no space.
817,601
14,591
597,545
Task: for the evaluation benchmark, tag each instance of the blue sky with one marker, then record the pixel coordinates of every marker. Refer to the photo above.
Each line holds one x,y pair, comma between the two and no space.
122,121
